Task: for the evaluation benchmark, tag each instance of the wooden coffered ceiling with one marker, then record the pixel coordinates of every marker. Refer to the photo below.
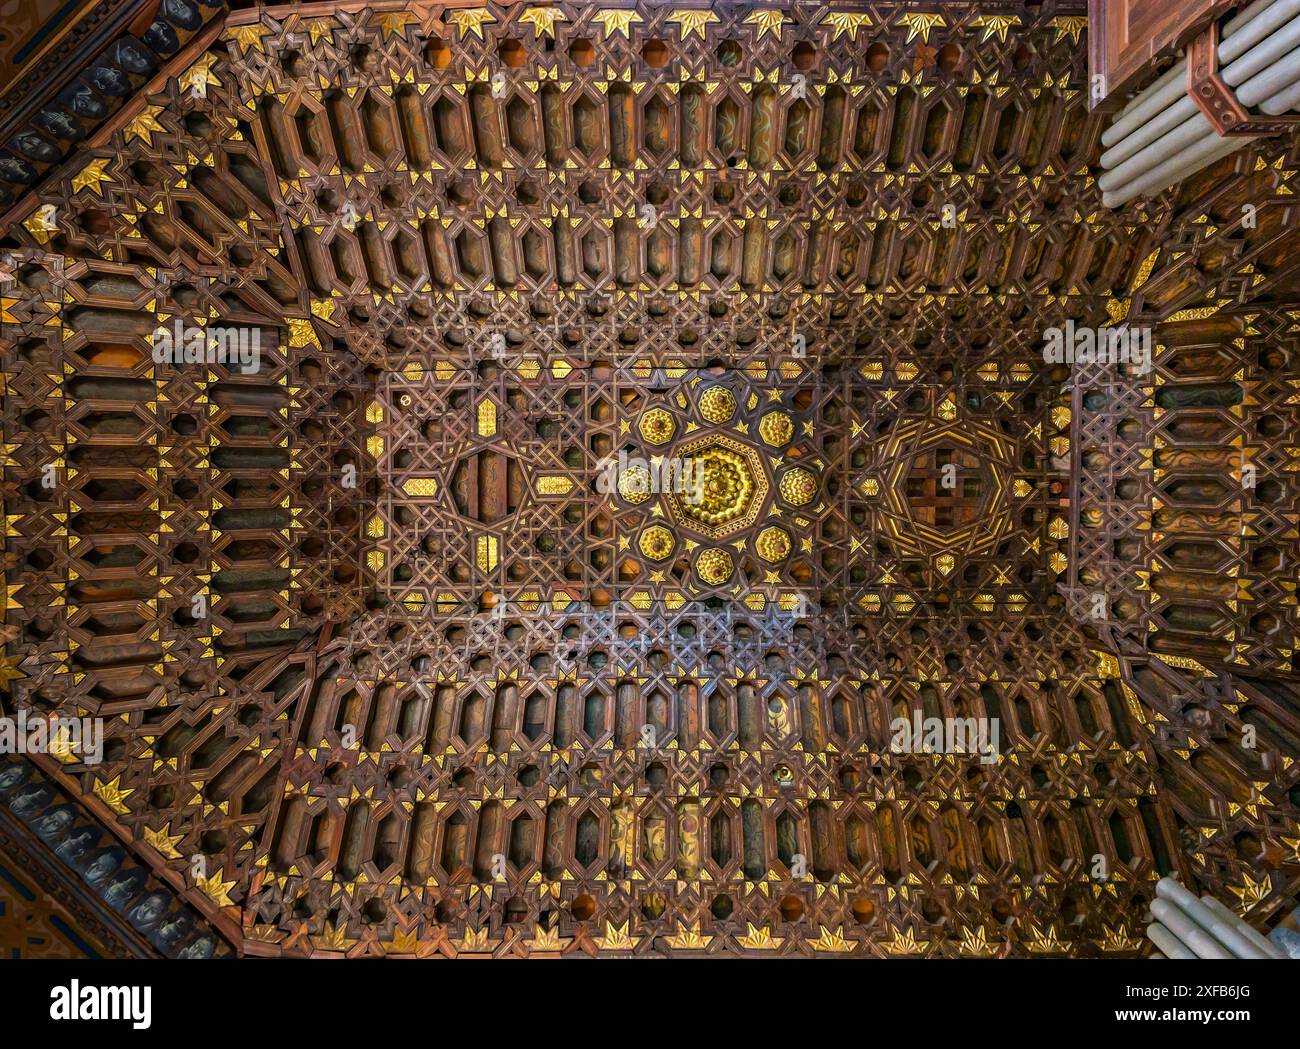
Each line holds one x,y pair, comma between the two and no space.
372,641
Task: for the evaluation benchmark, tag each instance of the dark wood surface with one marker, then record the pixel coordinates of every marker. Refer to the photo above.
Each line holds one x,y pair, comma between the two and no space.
427,643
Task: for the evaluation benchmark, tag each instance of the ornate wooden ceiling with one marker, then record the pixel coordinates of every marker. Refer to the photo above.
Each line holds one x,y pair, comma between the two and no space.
376,646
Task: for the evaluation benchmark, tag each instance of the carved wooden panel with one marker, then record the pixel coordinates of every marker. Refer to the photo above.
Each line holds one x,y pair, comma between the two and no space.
70,890
372,637
65,72
1129,40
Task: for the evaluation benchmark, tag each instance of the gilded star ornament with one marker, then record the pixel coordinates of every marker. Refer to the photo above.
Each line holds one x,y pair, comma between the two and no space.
195,80
216,889
693,21
920,24
470,21
320,28
1251,891
756,939
144,125
769,21
113,795
992,24
9,671
393,23
905,942
832,942
42,222
248,37
616,21
846,22
1071,24
162,841
543,19
92,176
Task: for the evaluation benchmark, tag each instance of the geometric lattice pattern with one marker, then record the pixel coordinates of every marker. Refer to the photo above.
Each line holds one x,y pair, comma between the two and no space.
376,643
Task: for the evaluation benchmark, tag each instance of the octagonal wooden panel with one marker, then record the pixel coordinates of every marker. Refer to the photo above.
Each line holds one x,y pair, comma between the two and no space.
373,640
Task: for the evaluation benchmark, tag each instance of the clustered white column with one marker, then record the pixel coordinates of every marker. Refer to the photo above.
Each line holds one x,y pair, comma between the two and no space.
1185,927
1161,137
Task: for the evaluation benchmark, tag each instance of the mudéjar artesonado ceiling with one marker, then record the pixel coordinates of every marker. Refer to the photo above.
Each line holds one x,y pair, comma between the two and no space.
624,416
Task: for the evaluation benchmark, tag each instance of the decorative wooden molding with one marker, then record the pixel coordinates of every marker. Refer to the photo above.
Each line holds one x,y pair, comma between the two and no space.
1128,40
1217,100
100,63
372,640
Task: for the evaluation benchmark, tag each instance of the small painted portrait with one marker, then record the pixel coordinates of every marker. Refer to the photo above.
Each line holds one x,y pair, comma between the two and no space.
30,800
53,824
122,887
75,848
171,930
148,910
199,948
12,776
104,864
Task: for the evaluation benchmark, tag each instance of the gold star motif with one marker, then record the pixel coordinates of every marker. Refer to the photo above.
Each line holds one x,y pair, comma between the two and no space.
617,939
9,671
217,889
768,22
544,939
196,79
921,24
321,27
393,22
1118,939
689,939
759,939
995,24
616,21
1073,24
471,20
905,942
112,794
543,19
42,222
692,21
249,37
975,941
834,942
163,842
301,333
846,22
1251,892
475,940
404,941
334,938
91,176
324,309
145,125
1044,942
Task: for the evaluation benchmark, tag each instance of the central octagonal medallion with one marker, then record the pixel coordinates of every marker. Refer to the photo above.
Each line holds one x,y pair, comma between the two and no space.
720,490
729,490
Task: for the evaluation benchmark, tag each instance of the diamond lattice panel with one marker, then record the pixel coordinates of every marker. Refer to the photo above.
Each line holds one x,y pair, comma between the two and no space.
555,581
